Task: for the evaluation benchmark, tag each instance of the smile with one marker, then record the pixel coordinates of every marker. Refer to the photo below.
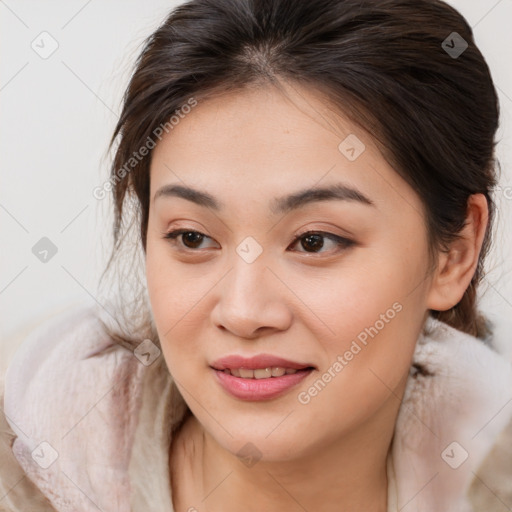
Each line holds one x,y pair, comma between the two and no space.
258,378
260,373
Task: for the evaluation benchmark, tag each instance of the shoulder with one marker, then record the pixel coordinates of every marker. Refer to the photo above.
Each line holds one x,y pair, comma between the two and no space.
491,487
17,492
55,336
55,350
70,397
456,404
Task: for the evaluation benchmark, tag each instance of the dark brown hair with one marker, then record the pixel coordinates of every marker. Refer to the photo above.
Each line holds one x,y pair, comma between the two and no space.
386,64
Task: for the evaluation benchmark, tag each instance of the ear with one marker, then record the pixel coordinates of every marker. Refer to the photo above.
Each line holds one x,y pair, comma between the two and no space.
456,267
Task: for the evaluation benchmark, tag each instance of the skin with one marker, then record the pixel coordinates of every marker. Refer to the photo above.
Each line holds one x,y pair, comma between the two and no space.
295,300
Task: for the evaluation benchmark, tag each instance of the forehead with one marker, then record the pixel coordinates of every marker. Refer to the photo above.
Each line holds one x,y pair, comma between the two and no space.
263,141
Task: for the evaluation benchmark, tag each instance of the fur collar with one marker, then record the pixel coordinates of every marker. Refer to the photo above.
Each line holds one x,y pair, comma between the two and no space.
82,409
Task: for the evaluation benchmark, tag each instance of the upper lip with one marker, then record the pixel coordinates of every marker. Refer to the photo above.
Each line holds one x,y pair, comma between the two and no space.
255,362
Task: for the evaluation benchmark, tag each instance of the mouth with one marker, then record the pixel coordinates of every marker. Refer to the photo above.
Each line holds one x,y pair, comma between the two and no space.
263,373
259,378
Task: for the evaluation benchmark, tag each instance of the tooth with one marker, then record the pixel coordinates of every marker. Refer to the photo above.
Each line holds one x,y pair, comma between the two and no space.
264,373
277,371
260,373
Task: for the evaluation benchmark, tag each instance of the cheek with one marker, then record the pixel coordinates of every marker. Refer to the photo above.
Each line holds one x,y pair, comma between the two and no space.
374,314
379,289
172,292
175,294
365,369
365,364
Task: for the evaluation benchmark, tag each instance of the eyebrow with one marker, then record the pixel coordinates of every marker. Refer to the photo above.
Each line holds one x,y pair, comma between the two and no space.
279,205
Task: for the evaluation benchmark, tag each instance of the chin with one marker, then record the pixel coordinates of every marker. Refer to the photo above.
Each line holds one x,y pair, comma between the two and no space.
258,447
259,435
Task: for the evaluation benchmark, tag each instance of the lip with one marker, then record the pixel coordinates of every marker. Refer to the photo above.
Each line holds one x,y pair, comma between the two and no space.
258,389
255,362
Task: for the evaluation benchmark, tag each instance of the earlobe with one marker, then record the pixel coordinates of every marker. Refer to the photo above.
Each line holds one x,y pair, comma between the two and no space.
457,266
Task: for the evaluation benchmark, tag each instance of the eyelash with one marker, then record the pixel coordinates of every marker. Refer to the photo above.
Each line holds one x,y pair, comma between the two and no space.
341,242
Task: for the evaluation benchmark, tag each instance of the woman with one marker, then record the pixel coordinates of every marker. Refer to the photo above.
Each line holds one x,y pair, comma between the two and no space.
311,184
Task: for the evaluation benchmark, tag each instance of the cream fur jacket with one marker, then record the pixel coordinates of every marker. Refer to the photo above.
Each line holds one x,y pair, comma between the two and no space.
86,426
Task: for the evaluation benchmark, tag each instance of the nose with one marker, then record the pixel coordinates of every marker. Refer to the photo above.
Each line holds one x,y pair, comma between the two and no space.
252,301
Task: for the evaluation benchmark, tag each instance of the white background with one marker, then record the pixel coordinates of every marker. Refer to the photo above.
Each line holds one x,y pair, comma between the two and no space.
57,116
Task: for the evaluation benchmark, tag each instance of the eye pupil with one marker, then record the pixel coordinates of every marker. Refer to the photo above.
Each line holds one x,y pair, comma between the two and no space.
315,240
193,238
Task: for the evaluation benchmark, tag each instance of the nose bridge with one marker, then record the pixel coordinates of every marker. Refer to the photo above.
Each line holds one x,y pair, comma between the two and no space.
250,296
248,282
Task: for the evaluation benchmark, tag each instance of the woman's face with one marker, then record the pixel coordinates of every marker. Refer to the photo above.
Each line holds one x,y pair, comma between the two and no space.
245,289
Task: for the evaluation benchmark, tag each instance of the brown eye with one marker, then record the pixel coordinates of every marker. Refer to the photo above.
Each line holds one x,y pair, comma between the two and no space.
313,241
189,239
192,239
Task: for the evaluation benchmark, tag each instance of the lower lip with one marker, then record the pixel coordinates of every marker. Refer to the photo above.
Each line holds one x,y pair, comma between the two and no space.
260,389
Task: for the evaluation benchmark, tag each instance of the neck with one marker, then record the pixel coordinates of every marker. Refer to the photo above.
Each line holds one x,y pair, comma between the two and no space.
345,475
323,481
